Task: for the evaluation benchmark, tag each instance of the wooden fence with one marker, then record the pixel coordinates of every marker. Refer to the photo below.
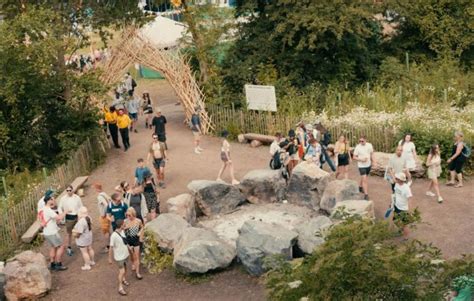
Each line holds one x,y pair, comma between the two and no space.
383,138
15,219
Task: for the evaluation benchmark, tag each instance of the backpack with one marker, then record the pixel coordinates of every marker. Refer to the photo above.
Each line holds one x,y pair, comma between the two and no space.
466,151
275,162
134,83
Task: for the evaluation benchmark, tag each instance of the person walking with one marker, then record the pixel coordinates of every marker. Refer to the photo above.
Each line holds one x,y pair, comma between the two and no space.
402,197
324,141
147,109
396,164
409,153
226,161
133,229
123,123
433,162
159,125
83,233
133,107
70,205
197,130
158,153
457,160
120,253
151,196
103,201
140,172
116,210
49,220
111,120
136,200
364,155
343,158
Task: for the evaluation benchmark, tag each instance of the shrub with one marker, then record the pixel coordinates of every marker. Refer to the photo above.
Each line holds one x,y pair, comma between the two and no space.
155,260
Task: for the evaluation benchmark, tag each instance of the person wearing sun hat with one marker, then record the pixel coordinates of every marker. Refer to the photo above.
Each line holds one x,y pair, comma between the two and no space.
402,197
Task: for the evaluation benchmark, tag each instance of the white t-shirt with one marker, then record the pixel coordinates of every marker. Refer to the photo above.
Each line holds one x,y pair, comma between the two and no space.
119,247
274,147
51,227
402,194
85,239
364,152
70,203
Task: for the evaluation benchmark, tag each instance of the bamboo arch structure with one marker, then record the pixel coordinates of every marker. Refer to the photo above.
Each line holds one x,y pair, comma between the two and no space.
174,66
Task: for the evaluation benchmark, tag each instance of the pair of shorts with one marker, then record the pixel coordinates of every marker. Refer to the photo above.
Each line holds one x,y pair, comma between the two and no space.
161,137
400,215
224,157
70,223
54,240
343,159
457,164
133,116
104,225
364,171
157,163
121,263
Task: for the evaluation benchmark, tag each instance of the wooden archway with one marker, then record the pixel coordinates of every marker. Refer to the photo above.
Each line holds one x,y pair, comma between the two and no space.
173,65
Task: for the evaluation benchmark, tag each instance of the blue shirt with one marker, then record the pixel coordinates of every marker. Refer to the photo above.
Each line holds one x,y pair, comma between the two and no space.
140,174
195,121
313,151
117,211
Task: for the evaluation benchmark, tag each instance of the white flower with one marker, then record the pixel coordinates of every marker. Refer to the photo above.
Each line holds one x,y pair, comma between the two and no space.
295,284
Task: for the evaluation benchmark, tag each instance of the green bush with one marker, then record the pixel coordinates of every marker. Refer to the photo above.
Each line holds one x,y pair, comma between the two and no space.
361,261
155,260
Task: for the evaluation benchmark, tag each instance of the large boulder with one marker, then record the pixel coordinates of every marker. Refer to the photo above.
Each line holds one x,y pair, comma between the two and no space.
361,208
337,191
183,205
27,276
213,197
201,250
311,233
263,186
285,215
258,240
307,184
381,162
167,229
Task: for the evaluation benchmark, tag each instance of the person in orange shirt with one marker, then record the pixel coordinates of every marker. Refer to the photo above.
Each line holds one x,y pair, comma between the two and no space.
110,117
123,123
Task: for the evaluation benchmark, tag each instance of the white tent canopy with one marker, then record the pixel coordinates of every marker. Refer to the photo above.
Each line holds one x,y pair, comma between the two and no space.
164,32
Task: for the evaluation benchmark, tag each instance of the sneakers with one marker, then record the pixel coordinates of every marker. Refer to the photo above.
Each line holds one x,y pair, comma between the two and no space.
86,267
196,151
199,149
92,263
360,189
69,251
162,185
58,266
429,193
440,200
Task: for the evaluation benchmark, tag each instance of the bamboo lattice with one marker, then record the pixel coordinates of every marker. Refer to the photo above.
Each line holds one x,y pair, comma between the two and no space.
173,65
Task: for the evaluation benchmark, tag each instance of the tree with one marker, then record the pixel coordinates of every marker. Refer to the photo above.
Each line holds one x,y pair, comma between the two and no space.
361,261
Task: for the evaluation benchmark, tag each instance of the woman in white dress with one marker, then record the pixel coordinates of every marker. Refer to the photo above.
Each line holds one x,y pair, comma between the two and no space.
434,171
409,154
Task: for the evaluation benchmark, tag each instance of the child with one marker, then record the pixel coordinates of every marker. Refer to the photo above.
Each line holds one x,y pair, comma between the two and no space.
82,232
120,253
140,171
402,196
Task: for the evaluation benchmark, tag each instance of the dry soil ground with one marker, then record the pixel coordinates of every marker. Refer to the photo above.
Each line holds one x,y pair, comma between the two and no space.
448,226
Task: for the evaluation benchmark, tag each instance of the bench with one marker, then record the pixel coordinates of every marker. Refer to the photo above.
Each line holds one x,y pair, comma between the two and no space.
34,229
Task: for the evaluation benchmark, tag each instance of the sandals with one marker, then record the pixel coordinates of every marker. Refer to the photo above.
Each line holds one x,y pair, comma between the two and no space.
125,282
458,186
122,292
139,277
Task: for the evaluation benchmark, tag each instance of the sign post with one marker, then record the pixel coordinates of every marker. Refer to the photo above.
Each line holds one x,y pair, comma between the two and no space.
261,98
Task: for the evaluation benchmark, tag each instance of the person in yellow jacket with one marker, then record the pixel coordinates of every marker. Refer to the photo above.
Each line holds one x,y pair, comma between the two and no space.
110,117
123,123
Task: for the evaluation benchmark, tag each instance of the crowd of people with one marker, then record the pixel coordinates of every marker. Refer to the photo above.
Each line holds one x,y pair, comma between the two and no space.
311,143
85,62
124,213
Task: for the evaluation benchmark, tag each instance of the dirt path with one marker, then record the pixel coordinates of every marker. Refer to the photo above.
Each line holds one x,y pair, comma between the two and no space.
447,225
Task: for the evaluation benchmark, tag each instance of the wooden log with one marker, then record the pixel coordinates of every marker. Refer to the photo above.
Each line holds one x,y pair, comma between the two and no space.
265,139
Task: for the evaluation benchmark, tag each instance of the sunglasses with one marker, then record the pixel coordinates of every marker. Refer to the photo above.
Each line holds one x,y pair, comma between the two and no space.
155,138
69,190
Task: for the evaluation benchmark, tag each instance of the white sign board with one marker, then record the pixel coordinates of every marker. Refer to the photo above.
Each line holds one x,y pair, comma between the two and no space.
261,98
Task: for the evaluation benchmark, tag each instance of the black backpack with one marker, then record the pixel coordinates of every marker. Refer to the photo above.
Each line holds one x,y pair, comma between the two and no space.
275,162
134,83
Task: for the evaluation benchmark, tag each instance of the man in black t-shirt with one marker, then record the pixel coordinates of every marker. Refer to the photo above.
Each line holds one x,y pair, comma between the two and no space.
158,123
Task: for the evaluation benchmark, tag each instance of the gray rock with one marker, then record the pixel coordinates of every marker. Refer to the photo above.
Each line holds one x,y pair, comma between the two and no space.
381,162
307,184
258,240
167,229
311,233
201,250
27,276
214,197
183,205
337,191
263,186
364,209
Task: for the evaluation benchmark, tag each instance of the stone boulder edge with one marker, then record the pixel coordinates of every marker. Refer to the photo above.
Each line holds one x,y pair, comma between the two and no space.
167,229
311,233
201,250
307,185
338,191
263,186
184,206
361,208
